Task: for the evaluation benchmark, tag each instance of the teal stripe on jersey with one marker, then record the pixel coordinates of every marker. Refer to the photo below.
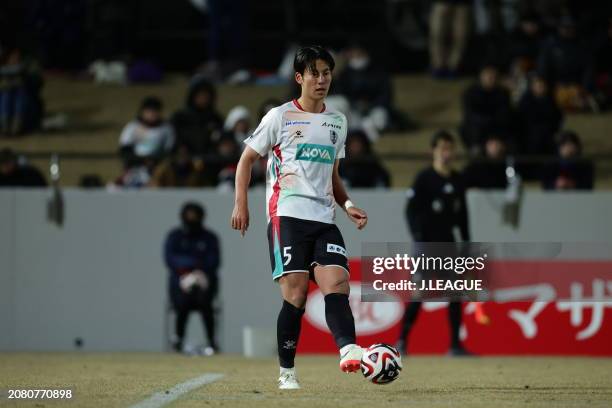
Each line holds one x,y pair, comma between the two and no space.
278,259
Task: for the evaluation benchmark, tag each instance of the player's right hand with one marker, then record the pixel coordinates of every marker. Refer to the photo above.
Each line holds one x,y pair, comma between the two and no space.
240,219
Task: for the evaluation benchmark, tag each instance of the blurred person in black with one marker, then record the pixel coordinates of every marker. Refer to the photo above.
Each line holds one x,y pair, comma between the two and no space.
564,62
525,43
449,27
13,174
198,124
570,171
488,172
367,89
192,255
227,40
486,109
228,154
540,117
436,212
21,106
521,50
181,170
361,168
600,71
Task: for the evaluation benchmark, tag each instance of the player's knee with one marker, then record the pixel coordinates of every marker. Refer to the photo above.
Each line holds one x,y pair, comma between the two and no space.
337,285
297,297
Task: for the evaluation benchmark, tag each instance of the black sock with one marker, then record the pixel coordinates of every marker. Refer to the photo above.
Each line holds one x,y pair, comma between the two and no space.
287,333
340,319
410,315
454,318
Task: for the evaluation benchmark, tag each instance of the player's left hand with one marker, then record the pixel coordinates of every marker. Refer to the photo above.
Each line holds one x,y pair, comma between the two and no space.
358,216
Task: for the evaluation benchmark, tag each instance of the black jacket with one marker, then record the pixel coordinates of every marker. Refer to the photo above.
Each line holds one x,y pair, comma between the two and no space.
436,205
185,252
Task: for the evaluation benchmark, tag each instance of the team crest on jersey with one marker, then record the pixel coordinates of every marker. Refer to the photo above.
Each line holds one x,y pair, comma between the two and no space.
333,136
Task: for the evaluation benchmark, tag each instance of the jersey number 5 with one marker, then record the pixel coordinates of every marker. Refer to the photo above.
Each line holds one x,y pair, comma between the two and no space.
287,255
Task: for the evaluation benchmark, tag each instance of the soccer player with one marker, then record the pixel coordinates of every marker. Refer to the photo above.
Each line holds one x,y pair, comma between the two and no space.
304,141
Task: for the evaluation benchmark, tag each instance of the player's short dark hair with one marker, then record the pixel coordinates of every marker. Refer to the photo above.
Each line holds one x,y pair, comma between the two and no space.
441,135
306,58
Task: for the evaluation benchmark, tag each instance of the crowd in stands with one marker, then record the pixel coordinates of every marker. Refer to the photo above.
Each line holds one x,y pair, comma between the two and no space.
530,77
197,147
551,65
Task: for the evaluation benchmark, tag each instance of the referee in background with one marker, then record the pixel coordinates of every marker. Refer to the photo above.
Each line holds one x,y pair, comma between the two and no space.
436,212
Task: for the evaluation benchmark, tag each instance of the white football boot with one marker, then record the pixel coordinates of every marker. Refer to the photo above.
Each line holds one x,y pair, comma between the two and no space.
288,379
350,358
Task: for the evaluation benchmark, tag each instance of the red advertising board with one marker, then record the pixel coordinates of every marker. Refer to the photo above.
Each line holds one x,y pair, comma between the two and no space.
529,327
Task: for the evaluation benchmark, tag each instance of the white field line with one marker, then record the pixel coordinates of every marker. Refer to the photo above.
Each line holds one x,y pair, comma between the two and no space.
162,398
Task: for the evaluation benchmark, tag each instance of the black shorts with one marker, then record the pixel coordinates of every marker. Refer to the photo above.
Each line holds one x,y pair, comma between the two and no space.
298,245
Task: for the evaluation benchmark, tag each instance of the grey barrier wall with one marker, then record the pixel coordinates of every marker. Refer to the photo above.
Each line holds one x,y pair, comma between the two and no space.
101,278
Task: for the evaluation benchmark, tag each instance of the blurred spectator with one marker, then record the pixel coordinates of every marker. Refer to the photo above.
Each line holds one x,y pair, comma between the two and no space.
267,105
361,168
135,175
523,49
489,171
226,41
448,18
13,174
601,69
59,29
570,171
91,181
192,255
525,43
228,154
540,118
180,170
486,110
366,92
238,123
563,61
21,107
148,137
198,124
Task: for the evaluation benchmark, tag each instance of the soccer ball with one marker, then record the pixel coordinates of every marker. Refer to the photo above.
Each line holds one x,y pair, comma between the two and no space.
381,363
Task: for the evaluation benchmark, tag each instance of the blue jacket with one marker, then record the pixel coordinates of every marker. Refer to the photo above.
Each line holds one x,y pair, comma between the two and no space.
184,252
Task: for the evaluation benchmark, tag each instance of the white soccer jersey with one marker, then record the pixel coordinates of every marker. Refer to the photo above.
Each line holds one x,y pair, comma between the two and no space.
303,148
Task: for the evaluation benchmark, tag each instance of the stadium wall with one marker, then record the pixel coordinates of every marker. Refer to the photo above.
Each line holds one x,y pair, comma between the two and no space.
100,276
